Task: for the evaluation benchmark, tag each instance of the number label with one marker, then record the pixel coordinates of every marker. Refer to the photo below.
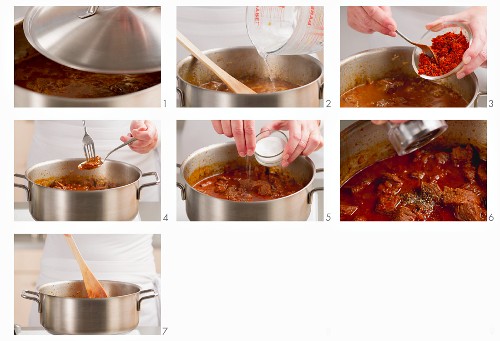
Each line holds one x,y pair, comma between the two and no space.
165,217
328,103
328,217
491,218
490,103
164,331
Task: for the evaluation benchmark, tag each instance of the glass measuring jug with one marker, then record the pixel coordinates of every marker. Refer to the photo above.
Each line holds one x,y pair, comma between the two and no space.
285,30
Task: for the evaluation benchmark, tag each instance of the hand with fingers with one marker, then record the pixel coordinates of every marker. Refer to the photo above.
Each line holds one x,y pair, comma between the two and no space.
146,134
369,19
475,18
243,132
392,121
304,137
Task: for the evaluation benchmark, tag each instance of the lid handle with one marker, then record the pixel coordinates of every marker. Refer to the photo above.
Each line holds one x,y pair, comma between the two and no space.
90,12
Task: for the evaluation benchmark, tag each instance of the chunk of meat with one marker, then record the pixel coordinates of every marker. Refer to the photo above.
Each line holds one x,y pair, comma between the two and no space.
387,203
221,185
470,212
361,186
442,157
481,172
458,196
469,172
347,210
431,191
405,214
461,155
392,184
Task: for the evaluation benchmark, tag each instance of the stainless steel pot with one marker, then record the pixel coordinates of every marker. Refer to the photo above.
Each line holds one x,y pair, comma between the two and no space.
200,206
65,309
150,97
245,61
364,143
119,203
389,61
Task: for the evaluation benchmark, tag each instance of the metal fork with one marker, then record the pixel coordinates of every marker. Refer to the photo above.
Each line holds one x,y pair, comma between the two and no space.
88,144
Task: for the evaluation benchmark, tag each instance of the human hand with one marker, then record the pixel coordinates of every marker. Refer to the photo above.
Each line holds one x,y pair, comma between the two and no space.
304,137
392,121
243,132
475,18
369,19
146,134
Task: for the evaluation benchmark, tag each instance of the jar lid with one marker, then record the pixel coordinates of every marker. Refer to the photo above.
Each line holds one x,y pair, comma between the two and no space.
104,39
411,135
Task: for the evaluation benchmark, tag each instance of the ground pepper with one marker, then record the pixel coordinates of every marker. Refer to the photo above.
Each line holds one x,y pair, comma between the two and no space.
449,49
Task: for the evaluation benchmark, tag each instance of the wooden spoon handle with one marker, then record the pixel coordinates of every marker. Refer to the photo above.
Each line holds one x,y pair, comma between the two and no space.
231,82
92,285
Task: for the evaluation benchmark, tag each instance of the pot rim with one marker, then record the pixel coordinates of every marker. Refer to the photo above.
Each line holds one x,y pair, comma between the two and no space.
308,160
410,48
86,298
32,183
83,100
222,93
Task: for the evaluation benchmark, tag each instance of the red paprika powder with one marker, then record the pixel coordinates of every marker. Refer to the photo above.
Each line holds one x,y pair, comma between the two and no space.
449,49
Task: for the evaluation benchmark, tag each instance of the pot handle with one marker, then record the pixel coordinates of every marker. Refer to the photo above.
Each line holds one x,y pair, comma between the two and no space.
149,183
28,192
321,89
479,94
181,186
310,194
180,97
320,170
145,297
34,296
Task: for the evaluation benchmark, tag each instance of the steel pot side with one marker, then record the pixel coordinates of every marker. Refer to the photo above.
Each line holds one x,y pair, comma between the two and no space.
243,61
150,97
118,203
60,313
390,61
200,206
364,143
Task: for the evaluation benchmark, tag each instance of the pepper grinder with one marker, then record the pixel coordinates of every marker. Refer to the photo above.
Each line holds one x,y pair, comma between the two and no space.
411,135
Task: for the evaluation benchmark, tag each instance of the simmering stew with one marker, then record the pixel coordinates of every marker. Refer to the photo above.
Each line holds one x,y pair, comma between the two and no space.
45,76
430,184
257,84
401,91
237,183
76,183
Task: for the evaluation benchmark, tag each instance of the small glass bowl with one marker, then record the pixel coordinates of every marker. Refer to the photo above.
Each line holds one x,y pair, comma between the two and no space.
275,159
445,27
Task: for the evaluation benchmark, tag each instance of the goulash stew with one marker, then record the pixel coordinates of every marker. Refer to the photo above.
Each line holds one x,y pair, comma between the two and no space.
401,91
76,183
240,183
45,76
430,184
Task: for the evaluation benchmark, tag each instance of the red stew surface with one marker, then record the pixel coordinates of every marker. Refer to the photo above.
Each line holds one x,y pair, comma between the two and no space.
240,184
429,184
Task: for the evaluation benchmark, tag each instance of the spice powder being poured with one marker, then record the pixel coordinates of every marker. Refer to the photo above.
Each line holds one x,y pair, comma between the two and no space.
449,49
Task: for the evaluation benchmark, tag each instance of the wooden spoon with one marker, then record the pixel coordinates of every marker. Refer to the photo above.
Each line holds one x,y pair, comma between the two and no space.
232,83
92,285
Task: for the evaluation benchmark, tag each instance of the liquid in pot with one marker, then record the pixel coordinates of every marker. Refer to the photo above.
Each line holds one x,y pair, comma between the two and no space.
45,76
258,183
257,84
401,91
432,183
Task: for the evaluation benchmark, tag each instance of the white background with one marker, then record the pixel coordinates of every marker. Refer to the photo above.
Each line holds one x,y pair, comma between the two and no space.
290,281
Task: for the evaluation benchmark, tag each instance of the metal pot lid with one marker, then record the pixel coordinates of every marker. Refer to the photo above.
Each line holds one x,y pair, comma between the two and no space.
104,39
